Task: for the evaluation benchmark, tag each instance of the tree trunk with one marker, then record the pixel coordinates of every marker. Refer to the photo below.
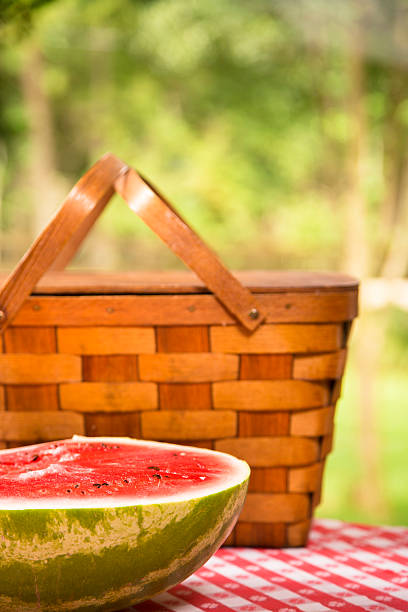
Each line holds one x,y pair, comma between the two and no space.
368,340
356,255
101,247
396,261
395,204
3,164
42,178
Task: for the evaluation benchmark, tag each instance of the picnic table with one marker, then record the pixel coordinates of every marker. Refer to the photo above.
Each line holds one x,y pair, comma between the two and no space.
345,566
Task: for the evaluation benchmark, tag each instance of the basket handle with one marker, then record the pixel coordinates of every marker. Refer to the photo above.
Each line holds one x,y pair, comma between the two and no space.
59,241
166,222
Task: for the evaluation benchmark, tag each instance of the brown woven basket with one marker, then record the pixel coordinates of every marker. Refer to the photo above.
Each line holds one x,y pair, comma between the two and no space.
249,364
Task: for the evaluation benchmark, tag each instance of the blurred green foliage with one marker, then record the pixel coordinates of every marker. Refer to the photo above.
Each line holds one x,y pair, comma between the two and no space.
240,120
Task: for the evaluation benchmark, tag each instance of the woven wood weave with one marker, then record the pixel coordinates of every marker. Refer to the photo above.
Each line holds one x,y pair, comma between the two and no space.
159,356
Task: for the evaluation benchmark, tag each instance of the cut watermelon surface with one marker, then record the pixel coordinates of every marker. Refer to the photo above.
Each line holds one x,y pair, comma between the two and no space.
101,523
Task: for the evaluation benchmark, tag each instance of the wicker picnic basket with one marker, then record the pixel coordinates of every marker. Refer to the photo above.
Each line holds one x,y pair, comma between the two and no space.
250,364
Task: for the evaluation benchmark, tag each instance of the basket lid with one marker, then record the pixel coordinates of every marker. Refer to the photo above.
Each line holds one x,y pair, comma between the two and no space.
185,282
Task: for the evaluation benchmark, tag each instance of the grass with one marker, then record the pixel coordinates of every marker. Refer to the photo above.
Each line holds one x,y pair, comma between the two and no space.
344,480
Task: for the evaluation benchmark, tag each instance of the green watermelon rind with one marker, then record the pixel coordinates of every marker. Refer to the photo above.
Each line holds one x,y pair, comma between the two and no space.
108,558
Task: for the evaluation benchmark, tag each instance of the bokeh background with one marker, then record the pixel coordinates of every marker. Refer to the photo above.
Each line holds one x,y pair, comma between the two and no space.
279,128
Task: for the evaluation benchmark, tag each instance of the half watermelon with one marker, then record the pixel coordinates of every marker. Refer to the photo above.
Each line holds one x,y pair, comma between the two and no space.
101,523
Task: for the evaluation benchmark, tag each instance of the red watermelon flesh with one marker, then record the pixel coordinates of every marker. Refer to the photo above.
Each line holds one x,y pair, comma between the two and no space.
82,472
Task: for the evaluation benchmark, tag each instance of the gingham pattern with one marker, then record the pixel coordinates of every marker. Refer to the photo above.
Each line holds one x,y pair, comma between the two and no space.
345,567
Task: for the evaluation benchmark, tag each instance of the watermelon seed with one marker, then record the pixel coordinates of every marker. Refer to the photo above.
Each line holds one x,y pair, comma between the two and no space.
156,476
105,484
76,486
35,458
126,480
97,484
69,490
83,492
153,467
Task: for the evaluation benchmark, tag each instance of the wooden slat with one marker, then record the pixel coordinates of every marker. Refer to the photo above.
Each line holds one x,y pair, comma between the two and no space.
297,533
30,340
188,367
275,507
39,426
18,368
347,325
30,398
179,309
263,424
2,398
305,479
185,281
106,340
209,444
269,395
265,367
317,497
336,391
312,422
123,310
181,339
260,534
17,443
268,480
317,308
278,338
113,424
327,445
108,397
186,425
271,452
318,367
189,396
109,368
230,541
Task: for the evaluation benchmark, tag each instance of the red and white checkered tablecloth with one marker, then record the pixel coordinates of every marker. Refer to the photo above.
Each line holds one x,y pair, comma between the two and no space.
344,567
